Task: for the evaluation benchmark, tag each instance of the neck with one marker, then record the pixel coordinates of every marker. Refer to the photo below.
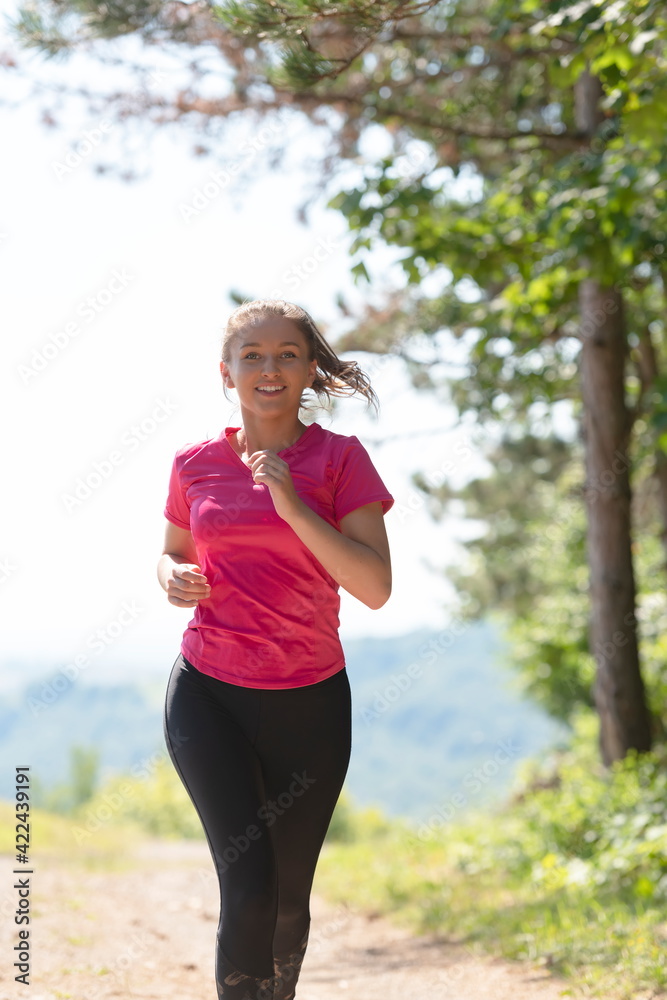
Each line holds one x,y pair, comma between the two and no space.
275,435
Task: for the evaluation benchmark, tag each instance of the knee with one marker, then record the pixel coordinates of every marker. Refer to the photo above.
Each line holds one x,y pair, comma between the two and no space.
251,909
294,909
293,917
246,928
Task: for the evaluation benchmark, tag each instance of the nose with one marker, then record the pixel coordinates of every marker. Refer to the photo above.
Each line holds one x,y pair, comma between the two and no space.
270,366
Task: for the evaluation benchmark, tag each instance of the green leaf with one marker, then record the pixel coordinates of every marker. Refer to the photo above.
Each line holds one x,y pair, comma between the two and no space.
359,272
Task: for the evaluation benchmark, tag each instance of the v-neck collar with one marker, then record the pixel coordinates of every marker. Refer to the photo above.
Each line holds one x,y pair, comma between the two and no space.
224,439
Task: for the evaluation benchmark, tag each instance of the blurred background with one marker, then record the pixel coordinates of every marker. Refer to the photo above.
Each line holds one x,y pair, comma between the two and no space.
120,267
470,200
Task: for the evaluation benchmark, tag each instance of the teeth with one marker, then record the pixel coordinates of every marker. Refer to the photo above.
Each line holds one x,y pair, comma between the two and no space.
267,388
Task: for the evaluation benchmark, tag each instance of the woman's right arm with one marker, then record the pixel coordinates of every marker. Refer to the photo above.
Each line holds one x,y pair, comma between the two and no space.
178,570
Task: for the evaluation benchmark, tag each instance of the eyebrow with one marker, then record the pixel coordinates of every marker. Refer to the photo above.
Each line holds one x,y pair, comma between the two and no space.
285,343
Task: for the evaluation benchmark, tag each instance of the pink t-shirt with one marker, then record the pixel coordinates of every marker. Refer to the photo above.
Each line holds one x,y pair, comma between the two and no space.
271,620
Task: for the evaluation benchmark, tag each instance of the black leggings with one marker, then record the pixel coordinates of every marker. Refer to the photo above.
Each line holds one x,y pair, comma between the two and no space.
264,770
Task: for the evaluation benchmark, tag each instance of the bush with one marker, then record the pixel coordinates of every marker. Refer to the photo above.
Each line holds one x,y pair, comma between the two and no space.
596,826
156,802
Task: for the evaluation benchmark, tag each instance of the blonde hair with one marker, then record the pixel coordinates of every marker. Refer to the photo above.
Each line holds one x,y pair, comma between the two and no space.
333,377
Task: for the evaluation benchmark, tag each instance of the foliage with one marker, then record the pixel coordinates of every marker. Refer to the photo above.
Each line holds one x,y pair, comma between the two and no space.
490,185
350,823
596,829
550,202
52,836
404,745
159,804
66,797
571,871
153,799
526,566
57,29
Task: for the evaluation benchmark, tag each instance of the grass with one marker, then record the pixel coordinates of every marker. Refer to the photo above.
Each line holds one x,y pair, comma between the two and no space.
52,837
539,879
607,945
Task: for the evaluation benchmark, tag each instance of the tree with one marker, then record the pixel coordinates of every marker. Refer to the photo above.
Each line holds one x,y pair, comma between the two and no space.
526,174
83,779
526,568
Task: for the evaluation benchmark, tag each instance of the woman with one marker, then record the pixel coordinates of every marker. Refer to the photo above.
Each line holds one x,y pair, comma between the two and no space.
265,522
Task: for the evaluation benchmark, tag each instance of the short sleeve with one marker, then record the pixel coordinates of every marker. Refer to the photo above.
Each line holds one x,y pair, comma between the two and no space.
357,481
177,509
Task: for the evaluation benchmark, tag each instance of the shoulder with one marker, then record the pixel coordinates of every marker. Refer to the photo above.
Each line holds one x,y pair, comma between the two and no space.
193,449
346,455
338,444
353,477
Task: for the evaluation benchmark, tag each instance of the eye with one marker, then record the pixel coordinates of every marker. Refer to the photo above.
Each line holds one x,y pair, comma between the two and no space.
255,352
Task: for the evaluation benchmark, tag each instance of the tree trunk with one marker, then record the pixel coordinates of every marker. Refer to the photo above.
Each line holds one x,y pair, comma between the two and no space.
660,475
648,370
619,690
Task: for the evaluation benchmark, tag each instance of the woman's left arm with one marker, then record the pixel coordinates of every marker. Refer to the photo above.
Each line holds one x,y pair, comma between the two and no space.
357,556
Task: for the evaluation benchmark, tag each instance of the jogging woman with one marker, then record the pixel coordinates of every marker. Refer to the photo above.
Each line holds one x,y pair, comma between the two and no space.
265,522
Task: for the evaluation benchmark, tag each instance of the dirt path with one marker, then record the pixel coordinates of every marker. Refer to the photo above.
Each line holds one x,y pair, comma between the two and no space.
153,930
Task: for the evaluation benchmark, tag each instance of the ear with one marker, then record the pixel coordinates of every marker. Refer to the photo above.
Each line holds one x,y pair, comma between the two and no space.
226,377
312,371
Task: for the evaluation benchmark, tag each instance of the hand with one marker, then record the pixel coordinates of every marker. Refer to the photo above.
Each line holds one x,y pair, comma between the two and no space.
268,468
187,585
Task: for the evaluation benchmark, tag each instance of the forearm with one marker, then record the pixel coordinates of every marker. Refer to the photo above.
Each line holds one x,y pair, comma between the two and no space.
355,566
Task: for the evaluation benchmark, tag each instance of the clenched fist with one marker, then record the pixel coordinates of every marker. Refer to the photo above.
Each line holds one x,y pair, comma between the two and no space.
187,585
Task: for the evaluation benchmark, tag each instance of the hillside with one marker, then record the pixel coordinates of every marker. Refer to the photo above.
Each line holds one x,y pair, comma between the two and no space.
422,721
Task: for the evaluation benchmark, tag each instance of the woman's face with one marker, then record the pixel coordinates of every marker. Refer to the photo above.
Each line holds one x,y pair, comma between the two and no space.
272,353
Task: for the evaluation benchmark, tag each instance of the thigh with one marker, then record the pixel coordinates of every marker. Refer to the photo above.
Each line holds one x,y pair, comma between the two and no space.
208,732
304,741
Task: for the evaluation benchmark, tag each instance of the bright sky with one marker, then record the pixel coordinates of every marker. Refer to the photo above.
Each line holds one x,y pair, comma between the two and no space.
113,304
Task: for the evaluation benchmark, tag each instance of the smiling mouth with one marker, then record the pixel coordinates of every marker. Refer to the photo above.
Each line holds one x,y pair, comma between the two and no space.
269,391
